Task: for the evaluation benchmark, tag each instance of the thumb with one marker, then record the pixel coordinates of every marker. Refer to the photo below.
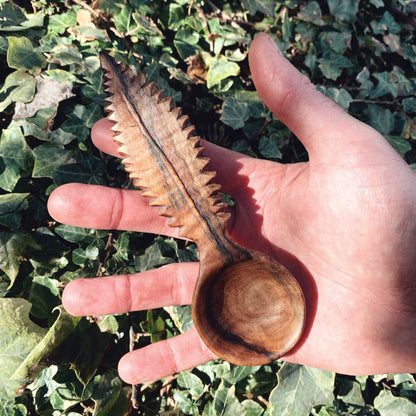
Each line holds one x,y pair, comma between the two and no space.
322,126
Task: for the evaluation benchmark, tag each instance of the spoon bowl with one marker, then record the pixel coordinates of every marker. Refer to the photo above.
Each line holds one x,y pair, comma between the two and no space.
249,312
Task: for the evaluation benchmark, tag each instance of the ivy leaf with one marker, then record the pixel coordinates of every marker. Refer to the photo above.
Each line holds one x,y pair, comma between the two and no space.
234,113
81,256
61,328
381,119
49,93
388,405
311,12
186,43
226,403
107,393
268,147
76,234
66,55
262,6
344,10
44,296
16,157
10,206
158,254
47,159
90,171
301,388
18,337
341,96
24,86
154,325
192,383
12,250
386,85
220,69
21,55
187,406
181,316
59,23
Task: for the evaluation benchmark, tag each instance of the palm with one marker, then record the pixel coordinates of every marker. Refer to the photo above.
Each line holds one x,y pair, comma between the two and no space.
342,223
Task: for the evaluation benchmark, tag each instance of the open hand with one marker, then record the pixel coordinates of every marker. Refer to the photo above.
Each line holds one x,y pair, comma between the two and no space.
343,223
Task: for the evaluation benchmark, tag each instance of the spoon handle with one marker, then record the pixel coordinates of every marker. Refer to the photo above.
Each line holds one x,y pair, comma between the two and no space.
162,154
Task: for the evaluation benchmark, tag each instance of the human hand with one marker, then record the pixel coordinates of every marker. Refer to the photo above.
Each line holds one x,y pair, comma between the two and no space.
343,223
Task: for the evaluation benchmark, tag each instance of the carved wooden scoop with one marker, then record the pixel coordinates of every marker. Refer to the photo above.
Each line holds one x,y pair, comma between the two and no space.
247,308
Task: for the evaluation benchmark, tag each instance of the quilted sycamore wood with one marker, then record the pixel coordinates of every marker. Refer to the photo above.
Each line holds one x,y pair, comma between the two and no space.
247,308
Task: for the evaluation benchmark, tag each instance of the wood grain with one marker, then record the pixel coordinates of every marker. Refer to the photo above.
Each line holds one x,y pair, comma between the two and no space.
247,307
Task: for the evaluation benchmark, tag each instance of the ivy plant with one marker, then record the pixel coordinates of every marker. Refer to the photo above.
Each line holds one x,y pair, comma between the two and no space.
362,54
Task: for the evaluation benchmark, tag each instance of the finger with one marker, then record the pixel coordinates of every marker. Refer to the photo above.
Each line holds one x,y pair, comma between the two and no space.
232,168
323,127
164,358
172,284
100,207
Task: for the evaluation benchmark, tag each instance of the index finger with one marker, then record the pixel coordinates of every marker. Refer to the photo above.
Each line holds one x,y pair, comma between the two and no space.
232,168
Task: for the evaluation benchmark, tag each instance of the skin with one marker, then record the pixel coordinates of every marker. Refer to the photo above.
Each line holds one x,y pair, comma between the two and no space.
344,224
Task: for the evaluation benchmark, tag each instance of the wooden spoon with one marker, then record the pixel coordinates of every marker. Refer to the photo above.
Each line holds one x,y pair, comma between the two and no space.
247,307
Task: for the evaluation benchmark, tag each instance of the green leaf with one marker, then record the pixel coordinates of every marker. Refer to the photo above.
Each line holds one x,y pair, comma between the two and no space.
44,296
66,55
349,391
62,327
158,254
252,408
386,85
12,250
21,55
10,206
341,96
186,43
89,115
262,6
381,119
81,256
301,388
86,356
47,159
234,113
10,17
59,23
187,406
76,234
90,171
154,325
311,12
239,372
402,146
192,383
16,157
388,405
336,41
181,316
226,403
268,147
366,84
344,10
24,83
18,337
220,69
107,393
409,105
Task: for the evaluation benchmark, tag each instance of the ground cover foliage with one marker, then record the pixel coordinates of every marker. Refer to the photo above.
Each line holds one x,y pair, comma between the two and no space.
360,53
